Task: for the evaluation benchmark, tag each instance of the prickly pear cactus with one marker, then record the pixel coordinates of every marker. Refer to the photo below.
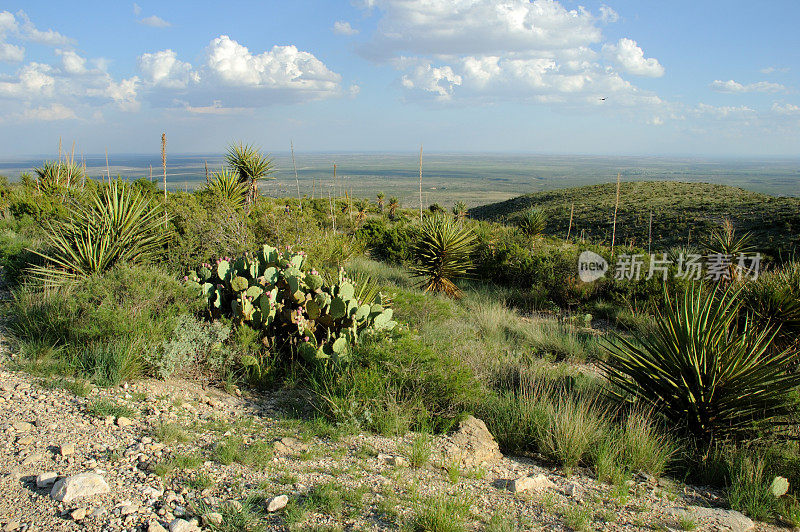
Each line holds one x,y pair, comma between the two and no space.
273,291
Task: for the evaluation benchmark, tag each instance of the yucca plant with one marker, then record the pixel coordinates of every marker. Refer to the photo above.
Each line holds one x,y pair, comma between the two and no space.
532,222
443,253
381,200
251,165
52,176
361,209
774,301
460,210
394,204
703,369
725,242
118,225
226,184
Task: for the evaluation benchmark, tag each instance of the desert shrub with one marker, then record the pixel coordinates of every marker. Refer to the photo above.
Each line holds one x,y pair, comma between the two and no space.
774,301
194,346
105,327
531,222
389,242
645,446
703,371
296,309
442,253
393,386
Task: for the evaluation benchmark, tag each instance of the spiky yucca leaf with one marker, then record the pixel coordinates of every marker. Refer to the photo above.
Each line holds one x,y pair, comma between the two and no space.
774,301
702,370
532,222
119,225
226,184
443,254
460,210
53,175
251,165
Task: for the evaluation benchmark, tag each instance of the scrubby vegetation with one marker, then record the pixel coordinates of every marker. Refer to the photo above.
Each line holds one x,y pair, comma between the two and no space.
351,304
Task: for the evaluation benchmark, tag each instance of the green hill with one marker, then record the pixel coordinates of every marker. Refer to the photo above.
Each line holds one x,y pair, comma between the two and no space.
682,212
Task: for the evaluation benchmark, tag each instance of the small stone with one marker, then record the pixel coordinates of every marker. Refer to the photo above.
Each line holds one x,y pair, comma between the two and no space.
78,515
277,503
397,461
212,518
154,526
129,509
22,426
11,525
66,449
78,486
109,420
26,440
526,483
181,525
572,489
288,445
179,511
124,422
47,479
32,458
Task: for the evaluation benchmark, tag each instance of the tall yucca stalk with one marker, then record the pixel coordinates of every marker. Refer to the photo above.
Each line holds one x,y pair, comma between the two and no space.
443,254
226,184
251,165
119,225
703,370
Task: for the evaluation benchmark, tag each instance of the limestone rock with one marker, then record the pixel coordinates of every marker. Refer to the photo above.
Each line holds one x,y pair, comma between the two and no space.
46,479
78,486
277,503
472,444
212,518
716,518
528,483
181,525
288,445
66,449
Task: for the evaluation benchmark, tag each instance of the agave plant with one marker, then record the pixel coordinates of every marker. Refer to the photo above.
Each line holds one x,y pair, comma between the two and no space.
55,175
702,369
226,184
250,164
443,254
118,225
532,222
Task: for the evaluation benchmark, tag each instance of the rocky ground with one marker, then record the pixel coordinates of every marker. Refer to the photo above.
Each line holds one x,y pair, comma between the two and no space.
179,456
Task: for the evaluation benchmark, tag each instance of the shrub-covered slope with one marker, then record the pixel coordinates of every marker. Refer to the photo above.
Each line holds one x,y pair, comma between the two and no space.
681,212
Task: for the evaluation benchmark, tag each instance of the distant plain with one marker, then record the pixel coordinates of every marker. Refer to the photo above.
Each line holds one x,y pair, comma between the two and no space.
477,179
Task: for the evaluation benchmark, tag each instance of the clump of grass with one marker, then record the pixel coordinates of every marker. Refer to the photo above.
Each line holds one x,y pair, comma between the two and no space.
686,522
103,408
438,514
577,518
77,387
170,433
233,449
419,453
200,481
645,447
176,463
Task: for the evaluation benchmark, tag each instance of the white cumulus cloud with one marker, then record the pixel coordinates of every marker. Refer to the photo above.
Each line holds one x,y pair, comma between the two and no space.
11,53
734,86
165,69
343,28
52,112
628,55
72,62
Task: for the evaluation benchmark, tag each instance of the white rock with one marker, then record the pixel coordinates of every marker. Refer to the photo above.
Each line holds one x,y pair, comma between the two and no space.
530,483
716,518
22,426
77,486
46,479
155,527
66,449
79,514
124,422
181,525
212,518
32,458
277,503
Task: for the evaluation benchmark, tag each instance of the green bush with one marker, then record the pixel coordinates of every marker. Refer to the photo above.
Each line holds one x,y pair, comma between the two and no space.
388,242
194,347
106,327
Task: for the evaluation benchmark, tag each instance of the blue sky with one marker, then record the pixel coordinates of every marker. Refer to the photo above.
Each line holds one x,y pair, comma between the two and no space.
616,77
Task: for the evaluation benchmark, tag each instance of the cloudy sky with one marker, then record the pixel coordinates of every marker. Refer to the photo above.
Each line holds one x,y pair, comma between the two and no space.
541,76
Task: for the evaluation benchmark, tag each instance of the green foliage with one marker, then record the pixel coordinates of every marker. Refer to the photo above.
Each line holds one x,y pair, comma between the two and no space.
297,310
531,222
702,370
250,164
460,210
194,346
227,185
387,242
119,225
53,176
106,407
774,301
443,253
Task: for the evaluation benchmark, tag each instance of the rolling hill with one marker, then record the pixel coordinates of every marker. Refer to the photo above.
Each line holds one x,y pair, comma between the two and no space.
682,213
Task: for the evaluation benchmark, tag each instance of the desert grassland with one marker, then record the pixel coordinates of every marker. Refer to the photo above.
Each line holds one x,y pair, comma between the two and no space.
574,374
